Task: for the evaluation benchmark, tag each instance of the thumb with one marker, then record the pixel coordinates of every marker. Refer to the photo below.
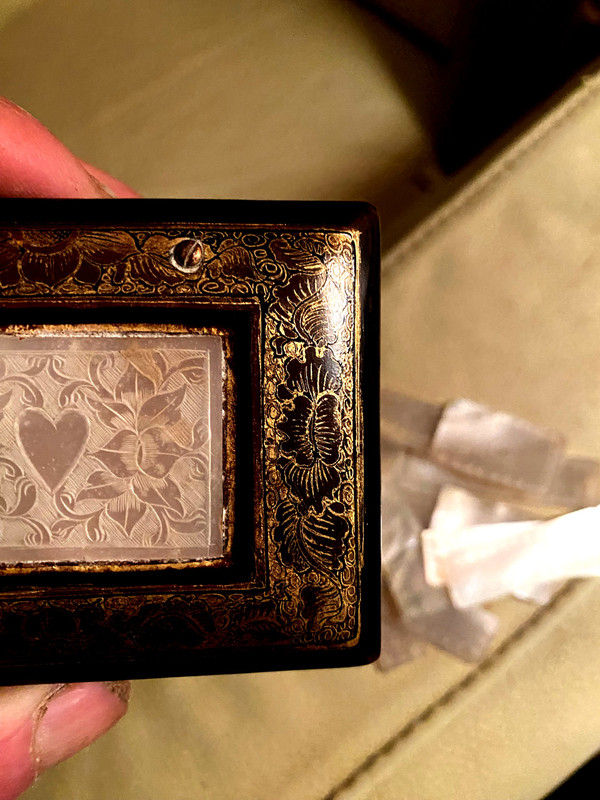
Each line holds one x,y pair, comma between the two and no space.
34,163
43,725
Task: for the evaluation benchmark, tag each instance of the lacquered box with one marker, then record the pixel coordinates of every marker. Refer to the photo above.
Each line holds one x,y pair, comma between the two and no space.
189,437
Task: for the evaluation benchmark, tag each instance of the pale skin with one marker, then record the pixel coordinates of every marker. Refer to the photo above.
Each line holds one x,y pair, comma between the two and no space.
45,724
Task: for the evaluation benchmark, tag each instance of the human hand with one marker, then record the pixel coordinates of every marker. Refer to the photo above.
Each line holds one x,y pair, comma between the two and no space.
43,725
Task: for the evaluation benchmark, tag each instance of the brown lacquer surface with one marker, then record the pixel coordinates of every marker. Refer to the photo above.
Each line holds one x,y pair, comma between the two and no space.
287,294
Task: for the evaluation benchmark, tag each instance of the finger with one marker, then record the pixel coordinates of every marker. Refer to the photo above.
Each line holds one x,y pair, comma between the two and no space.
34,163
111,185
43,725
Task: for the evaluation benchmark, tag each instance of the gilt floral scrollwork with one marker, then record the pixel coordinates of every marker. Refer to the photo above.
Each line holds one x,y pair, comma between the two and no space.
305,284
49,257
310,448
52,258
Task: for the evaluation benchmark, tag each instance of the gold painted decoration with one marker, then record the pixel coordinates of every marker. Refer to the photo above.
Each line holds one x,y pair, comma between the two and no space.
302,581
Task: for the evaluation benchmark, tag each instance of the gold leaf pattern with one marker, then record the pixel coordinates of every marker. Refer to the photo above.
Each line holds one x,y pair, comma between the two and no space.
305,281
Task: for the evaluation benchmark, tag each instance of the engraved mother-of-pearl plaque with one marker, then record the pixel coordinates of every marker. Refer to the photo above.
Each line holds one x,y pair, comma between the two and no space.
110,447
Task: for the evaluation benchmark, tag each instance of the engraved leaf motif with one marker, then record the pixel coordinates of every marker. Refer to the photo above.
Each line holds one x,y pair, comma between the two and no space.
319,602
94,530
318,539
316,374
47,268
149,267
158,532
287,533
24,491
259,618
162,409
26,495
235,261
327,437
304,260
114,414
148,362
324,535
31,394
189,524
163,492
99,364
87,273
101,485
153,452
70,391
158,452
321,318
314,482
301,289
126,510
118,455
193,369
106,247
62,527
37,364
312,431
133,384
38,535
56,368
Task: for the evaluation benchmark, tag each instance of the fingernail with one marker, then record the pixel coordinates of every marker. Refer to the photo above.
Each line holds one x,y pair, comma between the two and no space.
75,716
4,101
103,189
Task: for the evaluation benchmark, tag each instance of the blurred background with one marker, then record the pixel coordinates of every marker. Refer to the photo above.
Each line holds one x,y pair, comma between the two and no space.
472,126
311,99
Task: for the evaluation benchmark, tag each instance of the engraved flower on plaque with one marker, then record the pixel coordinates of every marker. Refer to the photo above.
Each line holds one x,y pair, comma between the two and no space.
110,447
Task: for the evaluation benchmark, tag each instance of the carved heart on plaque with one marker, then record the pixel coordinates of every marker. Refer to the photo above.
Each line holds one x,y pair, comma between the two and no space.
53,448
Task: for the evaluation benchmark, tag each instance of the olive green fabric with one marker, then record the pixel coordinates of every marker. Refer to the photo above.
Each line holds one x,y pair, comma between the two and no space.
495,298
11,8
253,99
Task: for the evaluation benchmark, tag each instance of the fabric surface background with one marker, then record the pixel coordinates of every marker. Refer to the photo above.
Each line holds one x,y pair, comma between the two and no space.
495,298
258,99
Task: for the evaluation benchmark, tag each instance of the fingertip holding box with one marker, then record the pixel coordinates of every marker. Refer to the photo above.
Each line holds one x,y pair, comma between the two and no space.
189,437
